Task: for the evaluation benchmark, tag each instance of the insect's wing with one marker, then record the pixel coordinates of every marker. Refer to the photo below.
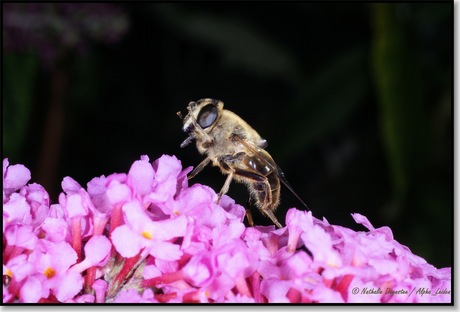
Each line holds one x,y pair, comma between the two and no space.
268,161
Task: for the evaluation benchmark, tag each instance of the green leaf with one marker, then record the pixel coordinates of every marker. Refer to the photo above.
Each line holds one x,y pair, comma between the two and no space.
399,87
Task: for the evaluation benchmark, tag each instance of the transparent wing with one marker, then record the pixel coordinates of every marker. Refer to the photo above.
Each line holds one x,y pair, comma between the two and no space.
269,162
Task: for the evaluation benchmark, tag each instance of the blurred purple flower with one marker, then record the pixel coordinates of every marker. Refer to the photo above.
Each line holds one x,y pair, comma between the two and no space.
49,28
147,236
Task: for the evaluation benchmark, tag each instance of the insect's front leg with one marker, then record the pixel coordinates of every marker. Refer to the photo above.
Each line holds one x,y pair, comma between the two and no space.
198,168
225,163
226,186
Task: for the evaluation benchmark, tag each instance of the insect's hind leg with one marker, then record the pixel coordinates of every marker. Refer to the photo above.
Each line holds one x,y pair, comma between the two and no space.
270,214
265,199
262,190
249,217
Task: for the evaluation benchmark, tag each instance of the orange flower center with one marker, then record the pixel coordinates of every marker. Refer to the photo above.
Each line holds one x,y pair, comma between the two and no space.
147,235
49,272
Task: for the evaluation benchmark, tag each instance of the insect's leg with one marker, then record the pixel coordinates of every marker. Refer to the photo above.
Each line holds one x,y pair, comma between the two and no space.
198,168
250,204
263,192
226,186
225,162
270,214
249,217
187,141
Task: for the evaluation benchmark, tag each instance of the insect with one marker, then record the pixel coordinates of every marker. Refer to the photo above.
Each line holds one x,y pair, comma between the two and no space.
238,150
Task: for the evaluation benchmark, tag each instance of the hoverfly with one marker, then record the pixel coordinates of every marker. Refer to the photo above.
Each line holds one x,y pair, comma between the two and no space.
238,150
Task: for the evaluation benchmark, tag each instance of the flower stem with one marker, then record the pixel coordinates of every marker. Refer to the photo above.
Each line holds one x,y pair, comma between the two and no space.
76,236
165,297
116,217
163,279
123,275
242,286
255,284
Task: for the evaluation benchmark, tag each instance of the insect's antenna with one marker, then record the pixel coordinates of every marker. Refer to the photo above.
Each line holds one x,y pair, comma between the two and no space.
303,203
187,141
286,183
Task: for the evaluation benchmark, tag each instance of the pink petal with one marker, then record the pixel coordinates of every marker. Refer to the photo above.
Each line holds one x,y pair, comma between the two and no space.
326,295
297,222
151,271
22,236
5,165
20,267
359,218
225,234
167,166
297,265
56,229
96,186
237,265
238,298
383,266
31,291
140,177
275,290
14,177
236,211
70,186
98,193
198,269
192,200
170,228
97,250
75,207
100,287
129,295
320,245
39,202
219,287
125,241
62,256
135,216
69,286
165,250
118,193
85,298
17,209
167,169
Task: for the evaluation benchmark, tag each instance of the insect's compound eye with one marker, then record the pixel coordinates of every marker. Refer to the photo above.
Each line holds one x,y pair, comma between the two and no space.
207,115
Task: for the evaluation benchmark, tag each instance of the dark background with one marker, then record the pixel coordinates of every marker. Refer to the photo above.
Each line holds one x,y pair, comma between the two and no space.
355,99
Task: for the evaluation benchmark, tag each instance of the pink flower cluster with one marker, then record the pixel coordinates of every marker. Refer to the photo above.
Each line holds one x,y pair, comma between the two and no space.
147,236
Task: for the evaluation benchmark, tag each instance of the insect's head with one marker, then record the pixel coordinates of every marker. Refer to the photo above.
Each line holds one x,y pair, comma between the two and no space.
201,117
203,113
